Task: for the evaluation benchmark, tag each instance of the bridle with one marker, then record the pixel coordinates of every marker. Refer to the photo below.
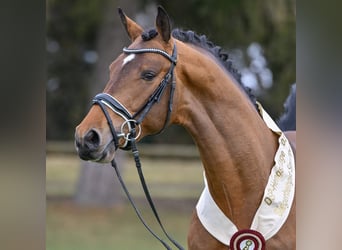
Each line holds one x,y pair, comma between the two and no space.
132,124
134,121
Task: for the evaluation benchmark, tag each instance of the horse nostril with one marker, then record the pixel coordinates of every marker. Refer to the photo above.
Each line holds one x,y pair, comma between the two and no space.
92,139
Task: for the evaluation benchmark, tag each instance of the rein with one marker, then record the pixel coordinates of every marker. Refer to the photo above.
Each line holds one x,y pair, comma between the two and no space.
132,124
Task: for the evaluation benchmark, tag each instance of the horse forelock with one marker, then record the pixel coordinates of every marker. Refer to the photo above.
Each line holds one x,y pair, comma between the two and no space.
149,34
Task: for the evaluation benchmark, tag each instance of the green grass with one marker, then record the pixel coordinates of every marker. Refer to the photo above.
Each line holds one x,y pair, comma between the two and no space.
62,172
166,178
70,227
174,185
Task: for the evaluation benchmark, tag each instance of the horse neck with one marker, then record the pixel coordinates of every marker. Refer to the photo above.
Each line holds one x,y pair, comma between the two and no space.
236,147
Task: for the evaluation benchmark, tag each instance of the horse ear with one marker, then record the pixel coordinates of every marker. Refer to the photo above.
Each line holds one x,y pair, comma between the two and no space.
163,24
132,28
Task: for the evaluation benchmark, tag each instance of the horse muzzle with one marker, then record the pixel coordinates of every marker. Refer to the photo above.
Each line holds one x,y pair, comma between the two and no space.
93,146
97,139
100,146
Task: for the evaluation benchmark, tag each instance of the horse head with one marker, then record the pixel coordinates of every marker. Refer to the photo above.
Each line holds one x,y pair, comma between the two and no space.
135,99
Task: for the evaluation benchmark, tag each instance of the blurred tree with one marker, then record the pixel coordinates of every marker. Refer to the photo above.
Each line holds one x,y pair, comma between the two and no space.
97,184
73,26
71,34
234,24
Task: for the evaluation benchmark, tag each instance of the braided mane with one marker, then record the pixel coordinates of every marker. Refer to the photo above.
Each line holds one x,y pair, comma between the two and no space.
203,42
222,55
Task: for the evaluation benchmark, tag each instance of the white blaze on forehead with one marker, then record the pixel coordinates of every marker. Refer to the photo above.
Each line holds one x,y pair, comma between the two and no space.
129,58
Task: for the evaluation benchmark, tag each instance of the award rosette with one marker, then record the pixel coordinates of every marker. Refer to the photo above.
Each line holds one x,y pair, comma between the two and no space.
247,240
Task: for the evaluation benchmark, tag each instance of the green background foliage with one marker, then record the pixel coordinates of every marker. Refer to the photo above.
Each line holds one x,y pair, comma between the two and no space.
72,31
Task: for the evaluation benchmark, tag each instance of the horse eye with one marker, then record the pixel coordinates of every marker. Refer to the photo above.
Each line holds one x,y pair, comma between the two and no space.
148,75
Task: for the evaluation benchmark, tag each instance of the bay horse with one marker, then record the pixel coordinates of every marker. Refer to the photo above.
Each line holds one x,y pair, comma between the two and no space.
178,77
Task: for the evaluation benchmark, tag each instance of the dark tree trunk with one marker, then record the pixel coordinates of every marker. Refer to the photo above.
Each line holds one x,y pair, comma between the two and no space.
98,185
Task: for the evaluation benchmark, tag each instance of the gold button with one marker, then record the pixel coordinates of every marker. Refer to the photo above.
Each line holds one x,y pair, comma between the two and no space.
283,141
268,201
279,173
